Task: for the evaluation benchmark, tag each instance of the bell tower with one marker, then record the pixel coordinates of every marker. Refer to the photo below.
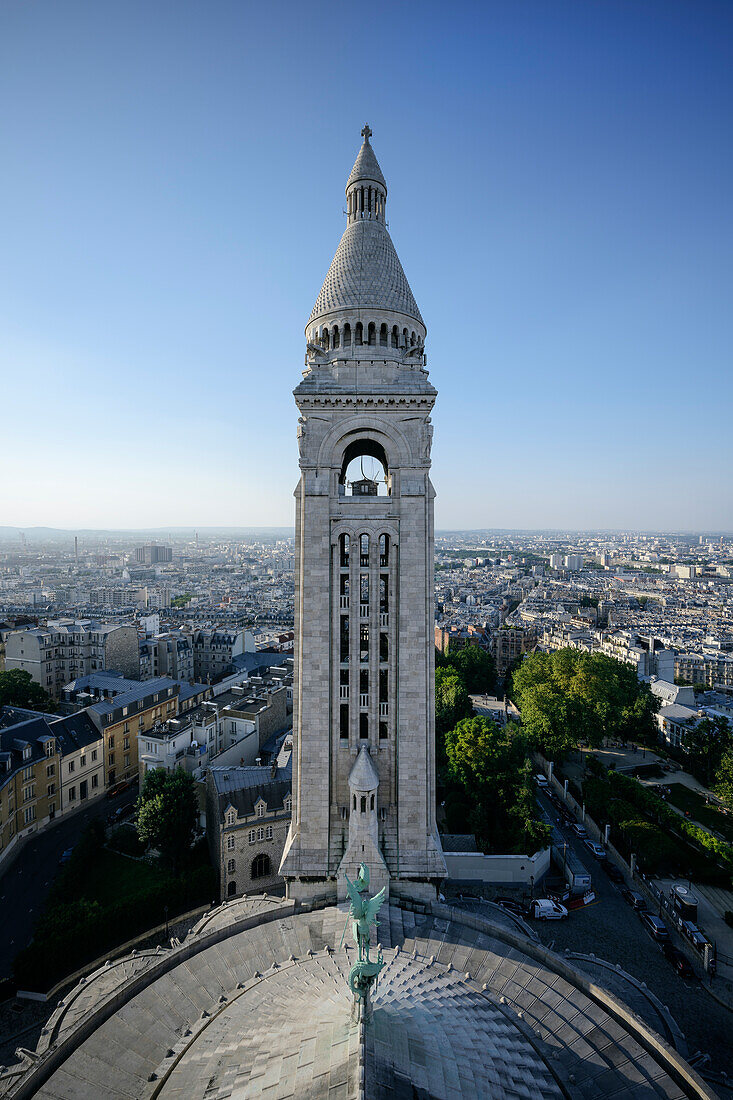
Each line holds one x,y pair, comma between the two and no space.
363,721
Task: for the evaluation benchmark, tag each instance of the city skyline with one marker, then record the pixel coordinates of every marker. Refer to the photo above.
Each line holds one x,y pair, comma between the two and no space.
556,194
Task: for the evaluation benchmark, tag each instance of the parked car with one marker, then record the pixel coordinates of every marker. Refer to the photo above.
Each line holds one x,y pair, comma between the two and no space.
547,909
691,932
579,830
656,927
65,857
595,849
634,898
541,780
679,961
612,871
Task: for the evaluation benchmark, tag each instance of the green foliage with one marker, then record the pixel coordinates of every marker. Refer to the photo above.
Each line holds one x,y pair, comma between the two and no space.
567,697
705,746
724,778
166,813
493,794
100,900
19,689
451,700
126,840
475,667
181,601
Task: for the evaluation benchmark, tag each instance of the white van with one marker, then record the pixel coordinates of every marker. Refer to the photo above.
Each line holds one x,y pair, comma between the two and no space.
547,909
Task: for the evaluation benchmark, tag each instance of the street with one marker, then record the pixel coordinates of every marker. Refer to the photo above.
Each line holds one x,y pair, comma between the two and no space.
611,930
24,886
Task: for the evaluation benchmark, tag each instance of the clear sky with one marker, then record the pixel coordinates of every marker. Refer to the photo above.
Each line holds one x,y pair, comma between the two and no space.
559,194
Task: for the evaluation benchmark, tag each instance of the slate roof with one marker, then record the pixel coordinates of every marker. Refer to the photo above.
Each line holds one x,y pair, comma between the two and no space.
366,273
244,787
366,167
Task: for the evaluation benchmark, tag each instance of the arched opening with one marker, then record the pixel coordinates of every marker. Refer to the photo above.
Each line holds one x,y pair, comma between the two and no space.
325,342
372,334
231,889
412,340
405,340
371,803
354,801
347,334
363,803
364,470
383,335
384,549
395,336
344,542
261,866
364,550
335,336
359,333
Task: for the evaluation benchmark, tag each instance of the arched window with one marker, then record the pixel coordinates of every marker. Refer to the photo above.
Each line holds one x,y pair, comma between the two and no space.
384,549
412,340
359,333
231,889
363,803
335,336
347,333
364,549
344,541
395,336
405,340
372,333
383,335
371,803
354,801
325,341
261,866
231,867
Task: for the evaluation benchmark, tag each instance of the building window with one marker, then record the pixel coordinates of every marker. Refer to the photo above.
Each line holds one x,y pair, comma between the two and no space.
95,781
127,760
30,815
71,766
252,836
260,833
261,866
82,761
261,809
50,770
268,832
27,773
110,761
94,754
50,789
344,721
111,742
72,794
231,867
49,748
230,843
231,889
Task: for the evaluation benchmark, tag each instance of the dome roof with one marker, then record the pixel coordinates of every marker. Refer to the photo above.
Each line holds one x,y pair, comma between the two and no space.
366,273
363,776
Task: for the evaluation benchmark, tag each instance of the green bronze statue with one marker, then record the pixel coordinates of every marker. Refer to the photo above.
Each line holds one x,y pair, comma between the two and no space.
363,913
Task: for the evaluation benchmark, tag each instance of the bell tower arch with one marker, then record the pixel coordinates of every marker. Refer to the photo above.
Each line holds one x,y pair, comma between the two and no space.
363,720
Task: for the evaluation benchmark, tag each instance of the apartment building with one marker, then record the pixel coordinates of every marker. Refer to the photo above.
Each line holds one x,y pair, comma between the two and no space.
711,669
153,554
167,654
509,643
214,650
126,717
81,768
65,649
29,777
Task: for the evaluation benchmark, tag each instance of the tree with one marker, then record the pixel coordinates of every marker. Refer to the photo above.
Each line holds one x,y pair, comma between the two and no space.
496,798
475,666
451,700
568,696
706,744
19,689
724,778
166,813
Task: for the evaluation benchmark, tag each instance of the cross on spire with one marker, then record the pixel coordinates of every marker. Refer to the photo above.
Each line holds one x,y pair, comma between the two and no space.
366,132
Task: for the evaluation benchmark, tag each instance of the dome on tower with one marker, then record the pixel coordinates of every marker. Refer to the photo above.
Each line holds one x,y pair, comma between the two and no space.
366,273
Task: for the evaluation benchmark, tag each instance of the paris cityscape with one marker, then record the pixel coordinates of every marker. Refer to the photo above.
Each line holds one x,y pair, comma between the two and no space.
366,666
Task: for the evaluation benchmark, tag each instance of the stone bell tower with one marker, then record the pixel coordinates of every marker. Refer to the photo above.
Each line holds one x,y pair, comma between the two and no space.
363,722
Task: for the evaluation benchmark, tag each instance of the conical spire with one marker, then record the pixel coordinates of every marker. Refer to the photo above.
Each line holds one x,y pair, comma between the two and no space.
365,273
366,166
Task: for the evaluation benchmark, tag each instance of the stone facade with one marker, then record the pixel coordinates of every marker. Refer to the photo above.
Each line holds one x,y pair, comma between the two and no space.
364,657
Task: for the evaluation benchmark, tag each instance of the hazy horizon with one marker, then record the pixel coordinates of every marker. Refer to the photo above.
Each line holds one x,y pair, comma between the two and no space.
558,195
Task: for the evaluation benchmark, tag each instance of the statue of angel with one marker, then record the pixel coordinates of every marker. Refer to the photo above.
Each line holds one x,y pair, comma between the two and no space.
364,910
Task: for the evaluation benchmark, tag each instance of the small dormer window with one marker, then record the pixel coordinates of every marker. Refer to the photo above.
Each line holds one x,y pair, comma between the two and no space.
231,817
287,804
261,808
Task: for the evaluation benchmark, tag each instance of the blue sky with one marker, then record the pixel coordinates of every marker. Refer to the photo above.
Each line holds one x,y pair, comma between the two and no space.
559,194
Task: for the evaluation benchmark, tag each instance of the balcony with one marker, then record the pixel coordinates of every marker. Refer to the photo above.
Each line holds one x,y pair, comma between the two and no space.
363,610
344,603
383,710
343,691
364,699
384,620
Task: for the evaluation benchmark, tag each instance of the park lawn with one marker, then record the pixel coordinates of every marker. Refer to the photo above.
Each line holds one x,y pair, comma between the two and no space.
111,877
686,799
